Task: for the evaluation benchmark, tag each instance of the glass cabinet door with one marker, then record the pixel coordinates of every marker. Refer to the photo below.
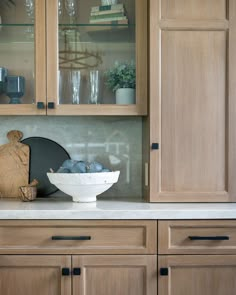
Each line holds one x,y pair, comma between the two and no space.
97,57
22,57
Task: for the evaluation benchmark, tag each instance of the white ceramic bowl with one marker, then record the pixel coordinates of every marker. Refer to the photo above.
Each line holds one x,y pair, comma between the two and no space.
84,187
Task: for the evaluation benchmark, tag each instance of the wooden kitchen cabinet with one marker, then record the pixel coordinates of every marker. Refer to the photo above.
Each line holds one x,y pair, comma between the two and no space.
192,101
196,257
78,257
197,274
105,275
54,48
96,274
32,274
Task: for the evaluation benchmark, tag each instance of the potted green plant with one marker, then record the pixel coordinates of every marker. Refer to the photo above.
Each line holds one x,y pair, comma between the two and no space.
121,79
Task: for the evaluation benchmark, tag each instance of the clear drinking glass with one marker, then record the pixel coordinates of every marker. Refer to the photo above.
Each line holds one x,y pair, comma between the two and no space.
29,8
94,86
75,78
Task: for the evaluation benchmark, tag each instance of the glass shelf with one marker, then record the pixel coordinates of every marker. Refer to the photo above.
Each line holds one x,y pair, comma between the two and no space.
96,25
16,25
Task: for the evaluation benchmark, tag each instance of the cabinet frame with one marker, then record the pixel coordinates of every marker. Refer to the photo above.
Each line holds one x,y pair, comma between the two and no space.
141,36
40,68
154,191
181,261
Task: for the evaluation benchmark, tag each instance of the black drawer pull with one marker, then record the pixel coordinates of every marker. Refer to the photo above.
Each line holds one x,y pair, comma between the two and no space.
71,238
208,238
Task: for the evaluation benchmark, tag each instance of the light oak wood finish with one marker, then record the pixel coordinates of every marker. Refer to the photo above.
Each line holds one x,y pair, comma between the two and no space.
105,275
96,110
154,101
194,9
14,165
141,36
40,54
190,98
174,237
107,237
27,275
197,275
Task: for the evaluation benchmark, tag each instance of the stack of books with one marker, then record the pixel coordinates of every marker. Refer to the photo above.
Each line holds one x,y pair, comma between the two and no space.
108,14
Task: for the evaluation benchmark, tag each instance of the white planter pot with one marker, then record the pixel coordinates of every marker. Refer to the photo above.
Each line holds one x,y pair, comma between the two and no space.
125,96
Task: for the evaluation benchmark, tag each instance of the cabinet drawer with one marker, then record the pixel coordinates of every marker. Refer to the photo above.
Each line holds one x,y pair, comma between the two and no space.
71,237
197,237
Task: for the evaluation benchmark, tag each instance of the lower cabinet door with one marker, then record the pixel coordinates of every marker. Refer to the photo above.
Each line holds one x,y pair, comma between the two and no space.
34,275
115,275
197,275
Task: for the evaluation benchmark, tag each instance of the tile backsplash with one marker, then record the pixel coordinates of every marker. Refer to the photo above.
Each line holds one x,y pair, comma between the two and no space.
115,142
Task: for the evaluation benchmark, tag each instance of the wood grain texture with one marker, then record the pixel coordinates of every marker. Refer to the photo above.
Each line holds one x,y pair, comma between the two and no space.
193,9
192,101
14,165
193,127
197,275
106,274
174,237
27,275
40,54
154,126
107,237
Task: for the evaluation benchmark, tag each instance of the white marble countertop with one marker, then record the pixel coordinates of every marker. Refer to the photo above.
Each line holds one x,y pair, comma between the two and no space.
64,208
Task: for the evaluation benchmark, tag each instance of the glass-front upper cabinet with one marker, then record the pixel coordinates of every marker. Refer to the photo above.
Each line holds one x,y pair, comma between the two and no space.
73,57
22,57
96,57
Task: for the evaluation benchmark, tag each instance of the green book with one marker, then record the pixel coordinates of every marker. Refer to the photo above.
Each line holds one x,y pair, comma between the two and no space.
107,7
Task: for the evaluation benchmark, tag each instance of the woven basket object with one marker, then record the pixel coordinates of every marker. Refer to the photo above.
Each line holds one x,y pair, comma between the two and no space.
27,193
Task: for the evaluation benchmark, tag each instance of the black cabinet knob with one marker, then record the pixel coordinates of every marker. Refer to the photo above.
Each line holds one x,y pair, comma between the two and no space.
51,105
65,271
76,271
155,146
164,271
40,105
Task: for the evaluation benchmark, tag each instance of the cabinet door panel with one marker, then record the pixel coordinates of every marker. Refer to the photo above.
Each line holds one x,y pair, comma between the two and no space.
79,45
192,104
193,108
38,275
105,275
194,9
23,55
197,275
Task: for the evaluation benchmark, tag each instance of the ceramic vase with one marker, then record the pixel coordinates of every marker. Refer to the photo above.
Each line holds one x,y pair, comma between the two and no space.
125,96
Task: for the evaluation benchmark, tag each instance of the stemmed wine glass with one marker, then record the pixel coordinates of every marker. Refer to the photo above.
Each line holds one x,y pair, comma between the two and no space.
29,7
70,6
60,8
